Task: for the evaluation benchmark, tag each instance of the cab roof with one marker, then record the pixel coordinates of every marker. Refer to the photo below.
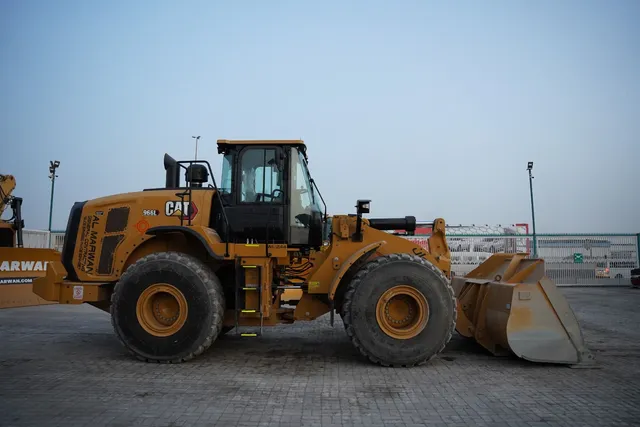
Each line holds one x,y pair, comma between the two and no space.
224,143
261,141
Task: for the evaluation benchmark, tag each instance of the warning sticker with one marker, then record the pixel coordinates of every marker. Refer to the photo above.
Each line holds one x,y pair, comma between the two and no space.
78,292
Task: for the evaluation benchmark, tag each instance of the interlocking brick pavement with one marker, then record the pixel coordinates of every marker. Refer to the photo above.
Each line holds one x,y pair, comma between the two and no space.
62,365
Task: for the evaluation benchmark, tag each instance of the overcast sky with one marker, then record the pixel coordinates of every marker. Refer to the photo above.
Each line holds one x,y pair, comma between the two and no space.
428,109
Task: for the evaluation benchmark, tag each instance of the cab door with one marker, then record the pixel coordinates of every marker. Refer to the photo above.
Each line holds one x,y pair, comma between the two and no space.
258,210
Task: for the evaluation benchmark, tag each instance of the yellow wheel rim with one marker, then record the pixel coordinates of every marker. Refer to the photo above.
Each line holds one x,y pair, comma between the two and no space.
402,312
161,310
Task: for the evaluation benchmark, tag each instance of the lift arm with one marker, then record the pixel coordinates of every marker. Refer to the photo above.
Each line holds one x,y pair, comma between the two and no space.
7,184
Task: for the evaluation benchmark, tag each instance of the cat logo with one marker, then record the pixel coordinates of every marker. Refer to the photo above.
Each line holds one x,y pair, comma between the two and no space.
184,210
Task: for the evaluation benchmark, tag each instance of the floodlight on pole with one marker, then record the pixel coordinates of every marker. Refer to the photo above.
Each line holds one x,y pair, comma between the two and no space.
533,213
196,138
53,165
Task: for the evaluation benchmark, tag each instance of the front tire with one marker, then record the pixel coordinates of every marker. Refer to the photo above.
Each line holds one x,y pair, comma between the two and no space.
399,310
225,330
167,307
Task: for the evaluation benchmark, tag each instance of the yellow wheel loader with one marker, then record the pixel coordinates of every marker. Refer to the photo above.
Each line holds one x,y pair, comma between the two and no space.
18,265
179,265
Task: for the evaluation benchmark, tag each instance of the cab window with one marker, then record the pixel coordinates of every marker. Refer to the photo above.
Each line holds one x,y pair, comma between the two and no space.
261,176
302,200
227,170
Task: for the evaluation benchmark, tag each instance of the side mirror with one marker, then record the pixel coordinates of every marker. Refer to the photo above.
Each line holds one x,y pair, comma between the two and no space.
363,206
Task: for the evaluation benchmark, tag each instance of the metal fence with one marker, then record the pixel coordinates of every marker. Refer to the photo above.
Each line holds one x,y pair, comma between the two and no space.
570,259
40,239
35,238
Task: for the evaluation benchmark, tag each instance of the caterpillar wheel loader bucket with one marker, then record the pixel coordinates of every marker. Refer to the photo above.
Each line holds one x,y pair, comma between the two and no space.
19,267
508,305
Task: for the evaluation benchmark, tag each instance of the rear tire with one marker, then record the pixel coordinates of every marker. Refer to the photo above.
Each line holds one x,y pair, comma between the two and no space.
425,313
167,307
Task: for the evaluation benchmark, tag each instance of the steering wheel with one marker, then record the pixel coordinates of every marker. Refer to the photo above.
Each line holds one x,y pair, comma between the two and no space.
305,219
271,196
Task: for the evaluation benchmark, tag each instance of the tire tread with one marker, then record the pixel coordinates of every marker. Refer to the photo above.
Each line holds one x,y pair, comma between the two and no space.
214,291
357,280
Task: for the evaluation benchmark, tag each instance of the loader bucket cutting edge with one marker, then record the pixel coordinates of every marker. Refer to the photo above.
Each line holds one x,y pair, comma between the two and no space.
508,305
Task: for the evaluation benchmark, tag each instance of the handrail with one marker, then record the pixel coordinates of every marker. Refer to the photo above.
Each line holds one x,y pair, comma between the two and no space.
181,163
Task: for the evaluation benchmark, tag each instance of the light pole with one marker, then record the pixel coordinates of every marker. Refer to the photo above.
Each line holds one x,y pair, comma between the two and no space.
533,212
53,165
196,138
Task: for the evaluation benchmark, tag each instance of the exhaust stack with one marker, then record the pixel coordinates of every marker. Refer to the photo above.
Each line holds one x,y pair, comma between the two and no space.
173,172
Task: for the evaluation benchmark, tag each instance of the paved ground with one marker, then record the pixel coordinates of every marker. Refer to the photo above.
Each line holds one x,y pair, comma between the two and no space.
62,365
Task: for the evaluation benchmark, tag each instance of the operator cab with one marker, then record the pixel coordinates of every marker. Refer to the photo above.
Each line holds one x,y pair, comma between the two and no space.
268,194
